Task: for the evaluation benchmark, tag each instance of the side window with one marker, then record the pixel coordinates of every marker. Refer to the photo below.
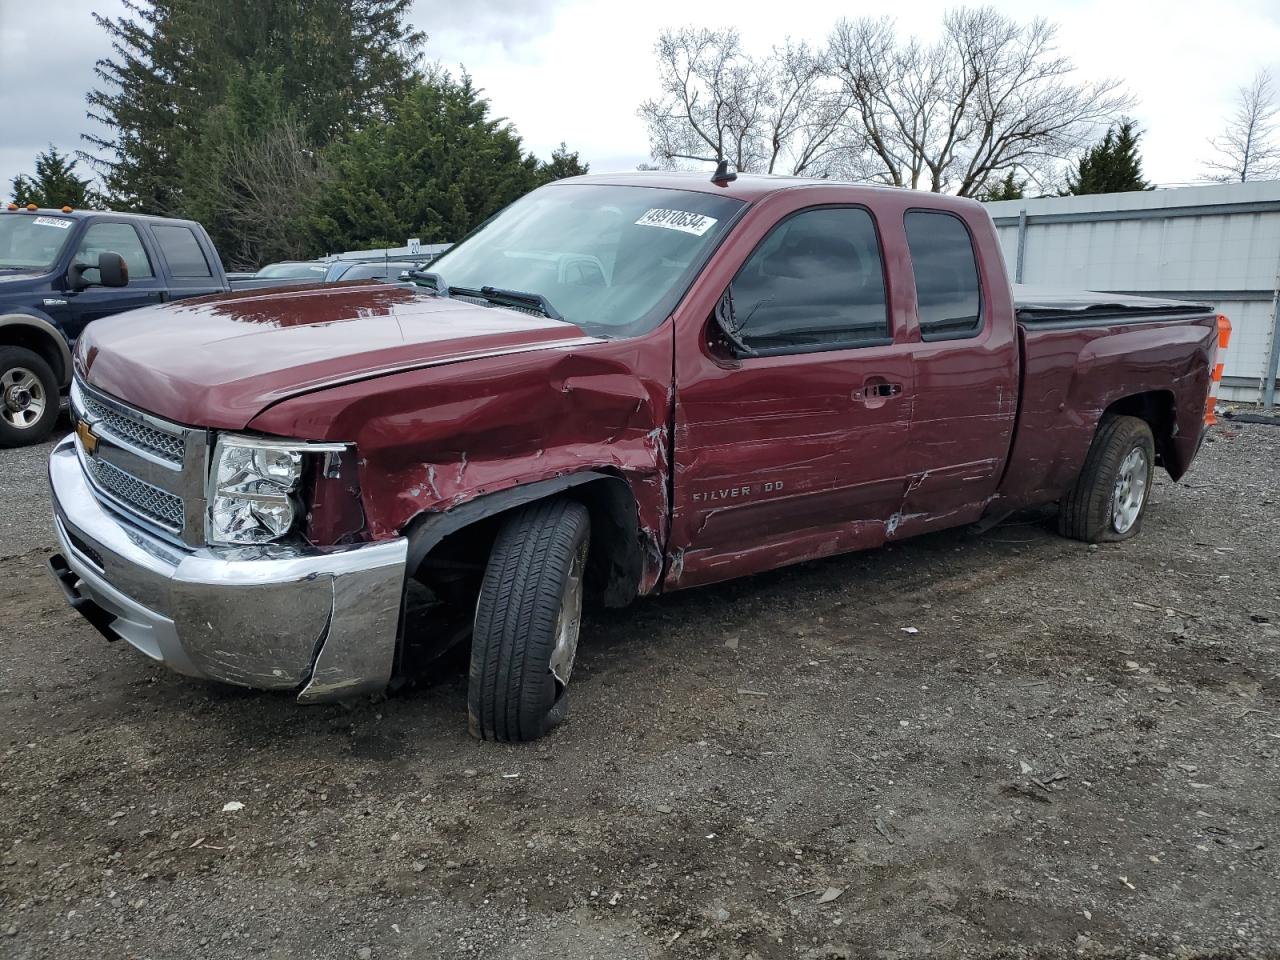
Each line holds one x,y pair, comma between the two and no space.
816,282
182,251
119,238
946,272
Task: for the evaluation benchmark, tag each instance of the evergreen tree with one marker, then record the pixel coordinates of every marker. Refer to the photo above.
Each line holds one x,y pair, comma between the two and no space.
1010,188
337,63
1111,166
146,101
251,175
55,183
435,169
561,165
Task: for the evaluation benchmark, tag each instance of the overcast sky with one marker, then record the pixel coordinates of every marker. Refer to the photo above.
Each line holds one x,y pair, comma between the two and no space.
574,70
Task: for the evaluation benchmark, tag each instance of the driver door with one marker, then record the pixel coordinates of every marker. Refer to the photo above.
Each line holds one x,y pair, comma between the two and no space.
795,447
144,287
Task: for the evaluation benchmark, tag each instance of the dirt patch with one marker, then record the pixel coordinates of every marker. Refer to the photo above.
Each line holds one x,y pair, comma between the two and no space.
1075,754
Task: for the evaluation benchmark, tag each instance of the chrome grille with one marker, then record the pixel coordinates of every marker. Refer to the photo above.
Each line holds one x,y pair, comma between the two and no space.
143,464
159,443
151,502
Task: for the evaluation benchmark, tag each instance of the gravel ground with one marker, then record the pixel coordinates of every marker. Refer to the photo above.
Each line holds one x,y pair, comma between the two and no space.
24,506
1072,752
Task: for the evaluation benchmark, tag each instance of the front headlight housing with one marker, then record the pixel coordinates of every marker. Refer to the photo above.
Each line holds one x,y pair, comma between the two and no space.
254,485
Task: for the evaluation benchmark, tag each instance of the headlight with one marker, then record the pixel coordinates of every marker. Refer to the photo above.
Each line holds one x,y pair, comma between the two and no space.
253,487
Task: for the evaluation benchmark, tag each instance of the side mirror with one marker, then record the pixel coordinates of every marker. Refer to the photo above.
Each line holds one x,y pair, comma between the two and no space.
111,268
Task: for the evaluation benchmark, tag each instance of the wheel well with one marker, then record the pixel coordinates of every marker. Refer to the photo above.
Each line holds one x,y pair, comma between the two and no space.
37,341
453,567
1157,408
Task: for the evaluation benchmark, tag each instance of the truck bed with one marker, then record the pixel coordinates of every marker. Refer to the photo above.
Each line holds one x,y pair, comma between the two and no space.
1080,351
1044,306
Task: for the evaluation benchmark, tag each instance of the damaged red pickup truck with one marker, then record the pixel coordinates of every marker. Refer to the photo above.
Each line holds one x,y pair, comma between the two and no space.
618,386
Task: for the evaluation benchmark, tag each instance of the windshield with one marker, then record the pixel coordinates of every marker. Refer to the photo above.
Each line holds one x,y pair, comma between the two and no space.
32,243
612,259
292,271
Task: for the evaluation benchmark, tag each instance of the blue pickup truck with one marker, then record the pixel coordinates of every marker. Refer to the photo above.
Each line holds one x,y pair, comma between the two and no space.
62,269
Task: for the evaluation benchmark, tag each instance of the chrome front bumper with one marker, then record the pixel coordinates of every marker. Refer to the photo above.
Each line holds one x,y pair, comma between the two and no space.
278,618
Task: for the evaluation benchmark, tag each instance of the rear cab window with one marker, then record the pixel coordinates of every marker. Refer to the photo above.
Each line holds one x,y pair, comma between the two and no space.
182,251
815,282
948,289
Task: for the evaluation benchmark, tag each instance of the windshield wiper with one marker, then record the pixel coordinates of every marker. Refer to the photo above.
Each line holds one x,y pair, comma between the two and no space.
495,295
432,280
511,298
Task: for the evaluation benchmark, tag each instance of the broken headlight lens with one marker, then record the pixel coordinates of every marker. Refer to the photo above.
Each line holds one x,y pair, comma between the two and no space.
253,488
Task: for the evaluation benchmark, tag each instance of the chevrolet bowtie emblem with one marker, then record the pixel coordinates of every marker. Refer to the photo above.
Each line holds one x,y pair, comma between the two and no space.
88,439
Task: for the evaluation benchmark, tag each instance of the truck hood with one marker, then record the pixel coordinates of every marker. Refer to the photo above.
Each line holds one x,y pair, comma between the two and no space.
219,361
19,276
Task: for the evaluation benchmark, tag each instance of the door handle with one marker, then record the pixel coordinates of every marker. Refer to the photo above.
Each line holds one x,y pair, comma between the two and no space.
876,390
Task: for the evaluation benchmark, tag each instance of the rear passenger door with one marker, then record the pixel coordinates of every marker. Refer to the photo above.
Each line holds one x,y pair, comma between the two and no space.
966,367
190,272
793,445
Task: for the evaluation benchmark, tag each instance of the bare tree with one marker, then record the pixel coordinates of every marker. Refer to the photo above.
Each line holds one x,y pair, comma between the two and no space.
274,178
778,114
708,97
805,129
1247,149
991,97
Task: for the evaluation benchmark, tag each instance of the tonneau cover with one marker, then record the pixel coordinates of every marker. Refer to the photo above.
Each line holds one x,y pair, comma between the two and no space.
1041,304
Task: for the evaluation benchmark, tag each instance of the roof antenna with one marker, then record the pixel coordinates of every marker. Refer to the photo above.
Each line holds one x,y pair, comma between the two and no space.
723,175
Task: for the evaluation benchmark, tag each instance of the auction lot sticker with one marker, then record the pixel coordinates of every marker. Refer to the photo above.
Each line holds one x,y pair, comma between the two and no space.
682,220
53,222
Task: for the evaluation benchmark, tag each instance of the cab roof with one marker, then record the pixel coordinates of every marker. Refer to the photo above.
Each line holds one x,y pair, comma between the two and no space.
77,214
748,187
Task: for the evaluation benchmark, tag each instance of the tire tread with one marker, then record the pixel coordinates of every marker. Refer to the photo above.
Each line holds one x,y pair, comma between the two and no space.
511,695
14,356
1085,512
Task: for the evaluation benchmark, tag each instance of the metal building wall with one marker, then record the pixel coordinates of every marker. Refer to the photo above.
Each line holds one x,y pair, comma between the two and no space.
1219,244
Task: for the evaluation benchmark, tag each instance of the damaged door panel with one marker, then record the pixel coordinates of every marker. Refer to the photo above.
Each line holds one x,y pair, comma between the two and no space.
792,442
967,368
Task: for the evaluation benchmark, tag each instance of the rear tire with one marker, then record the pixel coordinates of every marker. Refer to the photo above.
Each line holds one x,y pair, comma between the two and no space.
1109,499
527,622
29,398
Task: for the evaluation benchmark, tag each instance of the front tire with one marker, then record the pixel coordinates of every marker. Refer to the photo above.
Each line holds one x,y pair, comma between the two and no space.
527,621
29,400
1109,499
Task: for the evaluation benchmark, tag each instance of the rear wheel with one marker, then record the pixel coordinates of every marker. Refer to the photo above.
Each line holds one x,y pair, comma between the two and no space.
29,400
1110,495
527,622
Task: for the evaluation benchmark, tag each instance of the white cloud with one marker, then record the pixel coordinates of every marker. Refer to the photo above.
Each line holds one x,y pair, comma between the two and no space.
47,54
583,67
576,70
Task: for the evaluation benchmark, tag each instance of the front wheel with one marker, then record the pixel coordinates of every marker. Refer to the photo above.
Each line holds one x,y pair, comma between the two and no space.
1110,495
29,401
527,621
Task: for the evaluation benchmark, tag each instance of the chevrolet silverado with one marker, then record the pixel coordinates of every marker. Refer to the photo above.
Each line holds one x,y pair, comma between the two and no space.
618,386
